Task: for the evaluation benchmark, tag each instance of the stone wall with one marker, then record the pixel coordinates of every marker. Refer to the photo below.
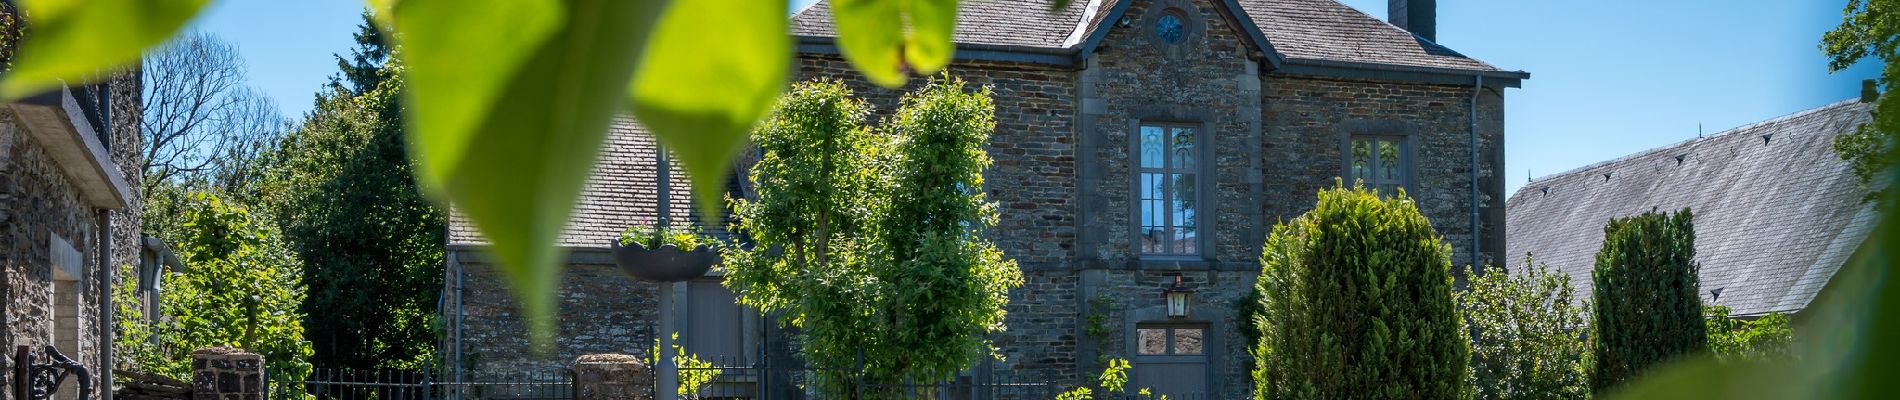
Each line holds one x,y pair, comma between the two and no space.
601,312
1306,119
38,202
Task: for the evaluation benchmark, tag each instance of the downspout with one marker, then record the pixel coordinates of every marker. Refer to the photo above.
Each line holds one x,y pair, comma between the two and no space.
105,305
1477,89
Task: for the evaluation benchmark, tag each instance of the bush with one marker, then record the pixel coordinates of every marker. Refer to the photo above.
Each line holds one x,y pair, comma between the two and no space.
1357,304
240,287
1527,334
1766,338
1647,309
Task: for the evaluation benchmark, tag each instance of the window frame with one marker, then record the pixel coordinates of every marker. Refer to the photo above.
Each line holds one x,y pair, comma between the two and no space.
1201,171
1407,166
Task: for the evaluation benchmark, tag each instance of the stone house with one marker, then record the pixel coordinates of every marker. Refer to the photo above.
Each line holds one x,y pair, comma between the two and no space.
1777,212
69,218
1138,141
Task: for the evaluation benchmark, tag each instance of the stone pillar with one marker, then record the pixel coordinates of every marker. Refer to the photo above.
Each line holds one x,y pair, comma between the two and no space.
226,373
612,377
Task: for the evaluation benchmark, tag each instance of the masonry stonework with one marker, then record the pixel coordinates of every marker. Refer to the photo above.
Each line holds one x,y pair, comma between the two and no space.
601,312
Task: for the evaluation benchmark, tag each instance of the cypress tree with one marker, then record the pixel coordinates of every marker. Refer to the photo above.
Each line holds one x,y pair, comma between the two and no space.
1356,303
1647,309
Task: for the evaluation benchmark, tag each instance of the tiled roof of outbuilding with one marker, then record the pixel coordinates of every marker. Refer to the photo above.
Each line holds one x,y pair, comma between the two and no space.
620,193
1317,30
1776,211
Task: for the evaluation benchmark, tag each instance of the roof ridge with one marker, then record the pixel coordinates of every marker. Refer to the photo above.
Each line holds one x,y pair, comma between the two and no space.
1718,135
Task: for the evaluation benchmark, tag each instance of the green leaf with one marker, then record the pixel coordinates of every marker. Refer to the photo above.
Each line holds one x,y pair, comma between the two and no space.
507,120
933,25
73,40
871,36
713,69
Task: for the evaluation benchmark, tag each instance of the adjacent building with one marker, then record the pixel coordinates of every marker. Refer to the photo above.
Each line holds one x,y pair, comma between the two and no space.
1777,212
1137,142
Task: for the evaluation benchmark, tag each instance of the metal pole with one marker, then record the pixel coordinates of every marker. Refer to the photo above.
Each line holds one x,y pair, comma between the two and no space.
668,379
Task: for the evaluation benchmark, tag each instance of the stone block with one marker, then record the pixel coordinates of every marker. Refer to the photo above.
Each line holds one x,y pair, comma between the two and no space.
612,377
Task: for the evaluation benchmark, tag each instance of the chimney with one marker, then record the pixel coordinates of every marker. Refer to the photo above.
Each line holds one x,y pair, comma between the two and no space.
1418,16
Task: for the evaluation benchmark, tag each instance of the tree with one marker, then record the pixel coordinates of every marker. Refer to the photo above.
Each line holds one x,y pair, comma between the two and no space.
372,245
1868,31
200,115
872,242
1646,287
240,288
1527,334
1763,338
1357,304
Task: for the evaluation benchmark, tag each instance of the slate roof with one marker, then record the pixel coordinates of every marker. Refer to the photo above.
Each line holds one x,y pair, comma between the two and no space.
620,193
1776,211
1299,30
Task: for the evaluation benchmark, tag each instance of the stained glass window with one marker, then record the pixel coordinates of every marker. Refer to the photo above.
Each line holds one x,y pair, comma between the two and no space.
1379,162
1167,190
1170,28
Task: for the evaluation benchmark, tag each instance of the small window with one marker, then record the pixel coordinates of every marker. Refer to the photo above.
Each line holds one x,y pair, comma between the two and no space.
1379,162
1169,27
1160,340
1167,192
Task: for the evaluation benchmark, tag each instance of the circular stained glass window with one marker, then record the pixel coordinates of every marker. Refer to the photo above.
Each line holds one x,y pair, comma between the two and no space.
1169,28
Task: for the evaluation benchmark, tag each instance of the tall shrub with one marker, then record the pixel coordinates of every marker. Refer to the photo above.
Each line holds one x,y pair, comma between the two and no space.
1357,304
872,242
1647,309
1527,334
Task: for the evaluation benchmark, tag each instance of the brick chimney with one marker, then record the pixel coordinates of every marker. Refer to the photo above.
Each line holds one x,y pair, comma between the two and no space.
1418,16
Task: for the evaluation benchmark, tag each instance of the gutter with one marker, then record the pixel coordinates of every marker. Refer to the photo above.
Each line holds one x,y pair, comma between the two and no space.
1477,230
1401,72
106,307
965,51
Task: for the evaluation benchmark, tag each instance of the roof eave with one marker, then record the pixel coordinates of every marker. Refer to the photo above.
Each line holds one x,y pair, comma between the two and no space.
965,51
1403,73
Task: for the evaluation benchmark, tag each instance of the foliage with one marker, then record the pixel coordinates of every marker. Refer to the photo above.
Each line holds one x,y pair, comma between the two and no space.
340,186
74,41
872,243
1764,338
693,372
1527,334
240,288
1114,379
1647,309
1868,31
652,237
1357,303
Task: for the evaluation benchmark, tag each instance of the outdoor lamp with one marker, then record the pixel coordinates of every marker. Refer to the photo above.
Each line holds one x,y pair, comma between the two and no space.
1178,296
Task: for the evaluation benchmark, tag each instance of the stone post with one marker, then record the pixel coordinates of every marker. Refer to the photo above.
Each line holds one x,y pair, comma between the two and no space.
226,373
612,377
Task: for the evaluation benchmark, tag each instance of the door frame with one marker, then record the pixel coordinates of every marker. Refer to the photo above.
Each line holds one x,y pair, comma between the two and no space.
1215,345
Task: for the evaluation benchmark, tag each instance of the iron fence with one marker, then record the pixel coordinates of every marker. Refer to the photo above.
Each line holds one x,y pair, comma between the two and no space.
730,379
346,384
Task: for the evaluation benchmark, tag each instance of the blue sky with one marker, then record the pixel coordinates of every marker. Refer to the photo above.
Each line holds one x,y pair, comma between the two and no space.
1608,77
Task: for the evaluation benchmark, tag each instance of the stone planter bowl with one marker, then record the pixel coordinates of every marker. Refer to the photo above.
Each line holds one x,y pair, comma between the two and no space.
665,264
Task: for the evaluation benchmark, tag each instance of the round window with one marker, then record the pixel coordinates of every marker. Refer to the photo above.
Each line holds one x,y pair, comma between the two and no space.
1170,28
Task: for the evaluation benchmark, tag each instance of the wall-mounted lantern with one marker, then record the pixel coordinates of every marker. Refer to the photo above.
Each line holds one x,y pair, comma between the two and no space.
1179,298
